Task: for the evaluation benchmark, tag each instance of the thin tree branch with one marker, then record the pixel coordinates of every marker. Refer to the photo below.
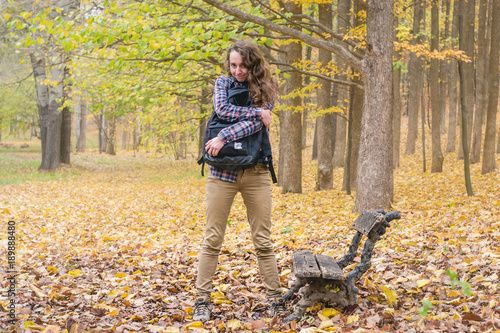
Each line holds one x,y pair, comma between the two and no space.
339,50
321,76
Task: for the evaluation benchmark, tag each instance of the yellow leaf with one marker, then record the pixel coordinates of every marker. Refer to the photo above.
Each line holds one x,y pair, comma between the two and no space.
6,16
454,293
113,293
352,319
196,324
326,323
75,273
5,211
189,310
328,312
114,312
390,294
52,269
43,230
233,324
138,272
120,275
421,283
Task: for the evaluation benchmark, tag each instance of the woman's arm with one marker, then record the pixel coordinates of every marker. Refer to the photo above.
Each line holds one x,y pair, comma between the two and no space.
230,112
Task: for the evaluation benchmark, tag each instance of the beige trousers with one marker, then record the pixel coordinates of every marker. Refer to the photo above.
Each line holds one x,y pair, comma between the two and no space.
255,187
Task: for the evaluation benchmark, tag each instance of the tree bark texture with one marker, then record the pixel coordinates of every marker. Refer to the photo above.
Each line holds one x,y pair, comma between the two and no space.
66,136
397,104
110,147
481,87
491,115
82,137
375,174
42,91
343,25
468,14
357,101
307,102
325,161
290,157
437,111
452,86
415,86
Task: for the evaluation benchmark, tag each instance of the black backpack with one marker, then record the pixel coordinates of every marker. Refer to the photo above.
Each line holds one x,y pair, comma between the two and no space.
243,153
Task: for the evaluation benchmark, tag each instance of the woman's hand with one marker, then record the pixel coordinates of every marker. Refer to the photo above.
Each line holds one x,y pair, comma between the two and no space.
213,146
266,117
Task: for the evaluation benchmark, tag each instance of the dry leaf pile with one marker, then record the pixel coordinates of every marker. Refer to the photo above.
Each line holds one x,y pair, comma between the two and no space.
114,249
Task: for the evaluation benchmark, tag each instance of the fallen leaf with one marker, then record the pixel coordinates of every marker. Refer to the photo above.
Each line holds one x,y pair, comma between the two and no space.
37,291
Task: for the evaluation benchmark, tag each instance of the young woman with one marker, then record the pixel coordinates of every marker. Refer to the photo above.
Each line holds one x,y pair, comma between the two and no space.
246,67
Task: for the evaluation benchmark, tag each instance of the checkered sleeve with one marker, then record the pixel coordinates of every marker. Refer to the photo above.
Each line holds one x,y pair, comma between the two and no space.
230,112
239,130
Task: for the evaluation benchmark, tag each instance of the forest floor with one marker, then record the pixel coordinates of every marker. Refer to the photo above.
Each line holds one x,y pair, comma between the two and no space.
110,243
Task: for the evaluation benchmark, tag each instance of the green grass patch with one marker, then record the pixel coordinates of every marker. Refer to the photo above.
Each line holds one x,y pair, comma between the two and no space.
17,168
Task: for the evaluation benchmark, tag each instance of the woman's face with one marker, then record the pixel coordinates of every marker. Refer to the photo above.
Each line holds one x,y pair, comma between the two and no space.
238,70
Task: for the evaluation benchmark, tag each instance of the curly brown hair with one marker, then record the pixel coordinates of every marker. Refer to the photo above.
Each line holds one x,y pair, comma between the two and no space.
263,87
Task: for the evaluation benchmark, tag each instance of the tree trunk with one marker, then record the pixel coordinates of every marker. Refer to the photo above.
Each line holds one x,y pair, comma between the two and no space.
468,14
357,101
396,95
452,88
375,174
422,116
444,70
343,25
437,155
489,137
307,102
82,125
414,78
315,142
290,157
103,138
66,136
481,88
325,162
42,91
110,147
465,146
124,139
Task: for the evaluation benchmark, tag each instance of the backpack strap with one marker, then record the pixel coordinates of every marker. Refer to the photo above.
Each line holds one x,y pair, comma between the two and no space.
268,154
202,162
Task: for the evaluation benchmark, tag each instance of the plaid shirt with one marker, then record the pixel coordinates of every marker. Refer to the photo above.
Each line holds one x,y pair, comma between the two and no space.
249,121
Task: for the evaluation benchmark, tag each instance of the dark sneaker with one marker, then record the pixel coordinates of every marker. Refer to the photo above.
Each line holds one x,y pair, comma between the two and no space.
277,307
201,310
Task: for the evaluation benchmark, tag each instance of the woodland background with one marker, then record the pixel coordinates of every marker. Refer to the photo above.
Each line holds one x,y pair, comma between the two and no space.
112,97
